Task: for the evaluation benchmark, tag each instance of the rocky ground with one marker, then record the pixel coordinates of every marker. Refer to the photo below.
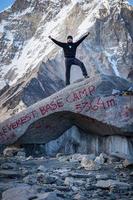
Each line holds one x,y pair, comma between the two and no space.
69,177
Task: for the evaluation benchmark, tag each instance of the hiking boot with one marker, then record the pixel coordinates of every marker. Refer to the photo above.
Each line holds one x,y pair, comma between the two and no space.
86,76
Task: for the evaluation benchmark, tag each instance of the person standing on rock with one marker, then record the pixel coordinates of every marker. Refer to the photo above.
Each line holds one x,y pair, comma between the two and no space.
70,48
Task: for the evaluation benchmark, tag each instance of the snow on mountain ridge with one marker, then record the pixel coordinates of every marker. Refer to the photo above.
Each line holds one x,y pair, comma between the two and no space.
34,45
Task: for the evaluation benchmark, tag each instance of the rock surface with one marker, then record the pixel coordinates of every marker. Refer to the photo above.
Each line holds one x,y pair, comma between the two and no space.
18,193
128,162
112,183
88,104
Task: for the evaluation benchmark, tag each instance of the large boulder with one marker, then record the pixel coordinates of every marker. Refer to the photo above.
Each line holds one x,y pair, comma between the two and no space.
88,104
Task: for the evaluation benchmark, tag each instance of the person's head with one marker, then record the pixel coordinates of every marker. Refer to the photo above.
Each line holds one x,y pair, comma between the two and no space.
69,39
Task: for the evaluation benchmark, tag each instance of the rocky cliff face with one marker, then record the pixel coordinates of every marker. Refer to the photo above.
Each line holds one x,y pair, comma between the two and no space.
32,67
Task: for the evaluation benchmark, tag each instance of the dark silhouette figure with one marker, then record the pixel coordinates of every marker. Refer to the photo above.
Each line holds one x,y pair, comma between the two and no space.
70,48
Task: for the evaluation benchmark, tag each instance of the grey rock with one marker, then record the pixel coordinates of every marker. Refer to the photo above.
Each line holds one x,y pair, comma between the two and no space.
24,171
42,168
63,188
10,151
100,159
42,178
79,197
128,163
48,196
102,176
91,180
112,183
112,159
33,131
69,181
10,174
89,164
21,154
81,175
131,174
29,158
19,193
79,157
8,166
30,179
119,155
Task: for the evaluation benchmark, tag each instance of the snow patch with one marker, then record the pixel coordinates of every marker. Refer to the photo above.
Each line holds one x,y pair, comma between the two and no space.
76,1
92,15
2,84
2,26
112,59
24,12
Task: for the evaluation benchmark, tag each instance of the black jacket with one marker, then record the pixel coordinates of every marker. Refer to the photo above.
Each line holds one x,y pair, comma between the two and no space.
69,48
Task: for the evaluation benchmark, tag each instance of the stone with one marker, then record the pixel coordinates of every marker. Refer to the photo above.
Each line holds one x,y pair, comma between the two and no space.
103,110
49,196
69,181
112,183
122,174
79,157
23,192
41,168
91,180
63,172
81,175
79,197
113,159
10,174
102,177
63,188
118,166
21,153
29,158
89,164
8,165
59,181
30,179
64,158
10,151
120,156
24,171
131,174
100,159
128,163
42,178
59,155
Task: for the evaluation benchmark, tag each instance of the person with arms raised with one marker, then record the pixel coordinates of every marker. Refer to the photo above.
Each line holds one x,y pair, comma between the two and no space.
69,49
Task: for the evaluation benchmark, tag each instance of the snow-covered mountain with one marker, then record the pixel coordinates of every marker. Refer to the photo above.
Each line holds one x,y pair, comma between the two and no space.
32,67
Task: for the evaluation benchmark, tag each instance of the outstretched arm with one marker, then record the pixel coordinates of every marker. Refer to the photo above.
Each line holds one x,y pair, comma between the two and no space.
61,44
81,39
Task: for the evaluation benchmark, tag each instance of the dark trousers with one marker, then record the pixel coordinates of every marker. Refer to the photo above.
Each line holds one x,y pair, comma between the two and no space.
73,61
